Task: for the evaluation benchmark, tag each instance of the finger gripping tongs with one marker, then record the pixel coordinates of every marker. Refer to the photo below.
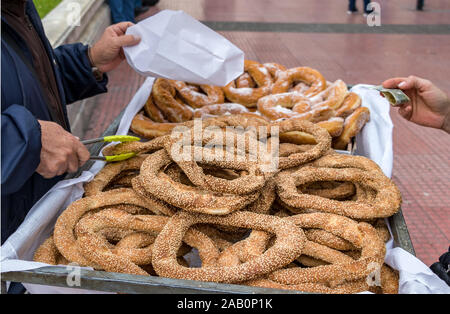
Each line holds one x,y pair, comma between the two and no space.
112,138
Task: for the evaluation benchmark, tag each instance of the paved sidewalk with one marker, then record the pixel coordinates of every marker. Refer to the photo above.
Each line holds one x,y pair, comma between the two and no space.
421,162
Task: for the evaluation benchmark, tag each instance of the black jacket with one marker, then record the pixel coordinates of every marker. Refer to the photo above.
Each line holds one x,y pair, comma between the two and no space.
22,104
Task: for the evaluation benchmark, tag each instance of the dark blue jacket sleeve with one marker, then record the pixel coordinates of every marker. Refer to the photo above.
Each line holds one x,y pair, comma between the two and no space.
75,70
21,147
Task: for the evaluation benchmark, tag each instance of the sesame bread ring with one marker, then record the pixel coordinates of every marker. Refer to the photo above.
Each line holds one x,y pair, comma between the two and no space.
290,77
251,181
219,110
334,126
345,288
340,161
248,96
328,239
257,242
317,114
242,251
244,120
48,253
288,245
332,96
361,235
94,246
320,135
351,102
164,96
153,111
280,106
353,124
133,245
109,172
145,127
63,235
135,147
386,203
274,69
382,229
245,81
137,247
196,99
264,203
332,190
161,186
389,280
122,180
233,141
297,138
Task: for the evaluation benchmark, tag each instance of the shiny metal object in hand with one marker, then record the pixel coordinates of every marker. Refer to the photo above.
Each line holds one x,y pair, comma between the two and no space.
396,97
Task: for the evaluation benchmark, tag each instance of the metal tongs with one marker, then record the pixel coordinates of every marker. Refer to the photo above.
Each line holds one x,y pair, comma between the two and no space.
112,138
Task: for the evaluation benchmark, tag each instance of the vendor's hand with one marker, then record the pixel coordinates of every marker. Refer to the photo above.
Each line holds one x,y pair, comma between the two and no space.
61,152
107,53
429,106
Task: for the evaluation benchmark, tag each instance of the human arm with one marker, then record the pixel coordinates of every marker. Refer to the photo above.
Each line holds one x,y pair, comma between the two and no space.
30,145
21,146
75,62
429,106
61,152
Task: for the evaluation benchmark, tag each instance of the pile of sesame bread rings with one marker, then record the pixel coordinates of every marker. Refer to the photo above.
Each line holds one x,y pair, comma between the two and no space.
252,192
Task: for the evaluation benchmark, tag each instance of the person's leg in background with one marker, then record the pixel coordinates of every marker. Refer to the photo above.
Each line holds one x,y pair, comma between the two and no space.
420,4
128,9
150,2
366,3
139,8
122,10
352,6
117,13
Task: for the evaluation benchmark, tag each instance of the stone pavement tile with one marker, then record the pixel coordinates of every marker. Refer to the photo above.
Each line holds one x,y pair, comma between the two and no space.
104,108
421,170
306,11
355,58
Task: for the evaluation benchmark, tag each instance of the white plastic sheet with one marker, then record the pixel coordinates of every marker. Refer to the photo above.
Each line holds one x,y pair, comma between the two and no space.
375,139
17,251
176,46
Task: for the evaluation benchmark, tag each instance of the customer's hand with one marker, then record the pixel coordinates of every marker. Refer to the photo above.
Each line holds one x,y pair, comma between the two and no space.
107,53
61,152
429,106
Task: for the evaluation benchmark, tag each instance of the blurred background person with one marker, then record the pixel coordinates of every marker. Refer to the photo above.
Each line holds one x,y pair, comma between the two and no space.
353,9
150,2
127,10
420,4
139,7
122,10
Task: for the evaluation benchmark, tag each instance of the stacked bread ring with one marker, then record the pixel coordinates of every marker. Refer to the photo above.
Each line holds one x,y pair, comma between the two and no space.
314,223
267,90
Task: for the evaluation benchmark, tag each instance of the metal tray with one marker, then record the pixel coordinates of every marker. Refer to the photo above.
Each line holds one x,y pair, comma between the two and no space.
125,283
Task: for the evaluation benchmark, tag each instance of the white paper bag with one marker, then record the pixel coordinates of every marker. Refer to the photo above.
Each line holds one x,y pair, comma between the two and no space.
176,46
